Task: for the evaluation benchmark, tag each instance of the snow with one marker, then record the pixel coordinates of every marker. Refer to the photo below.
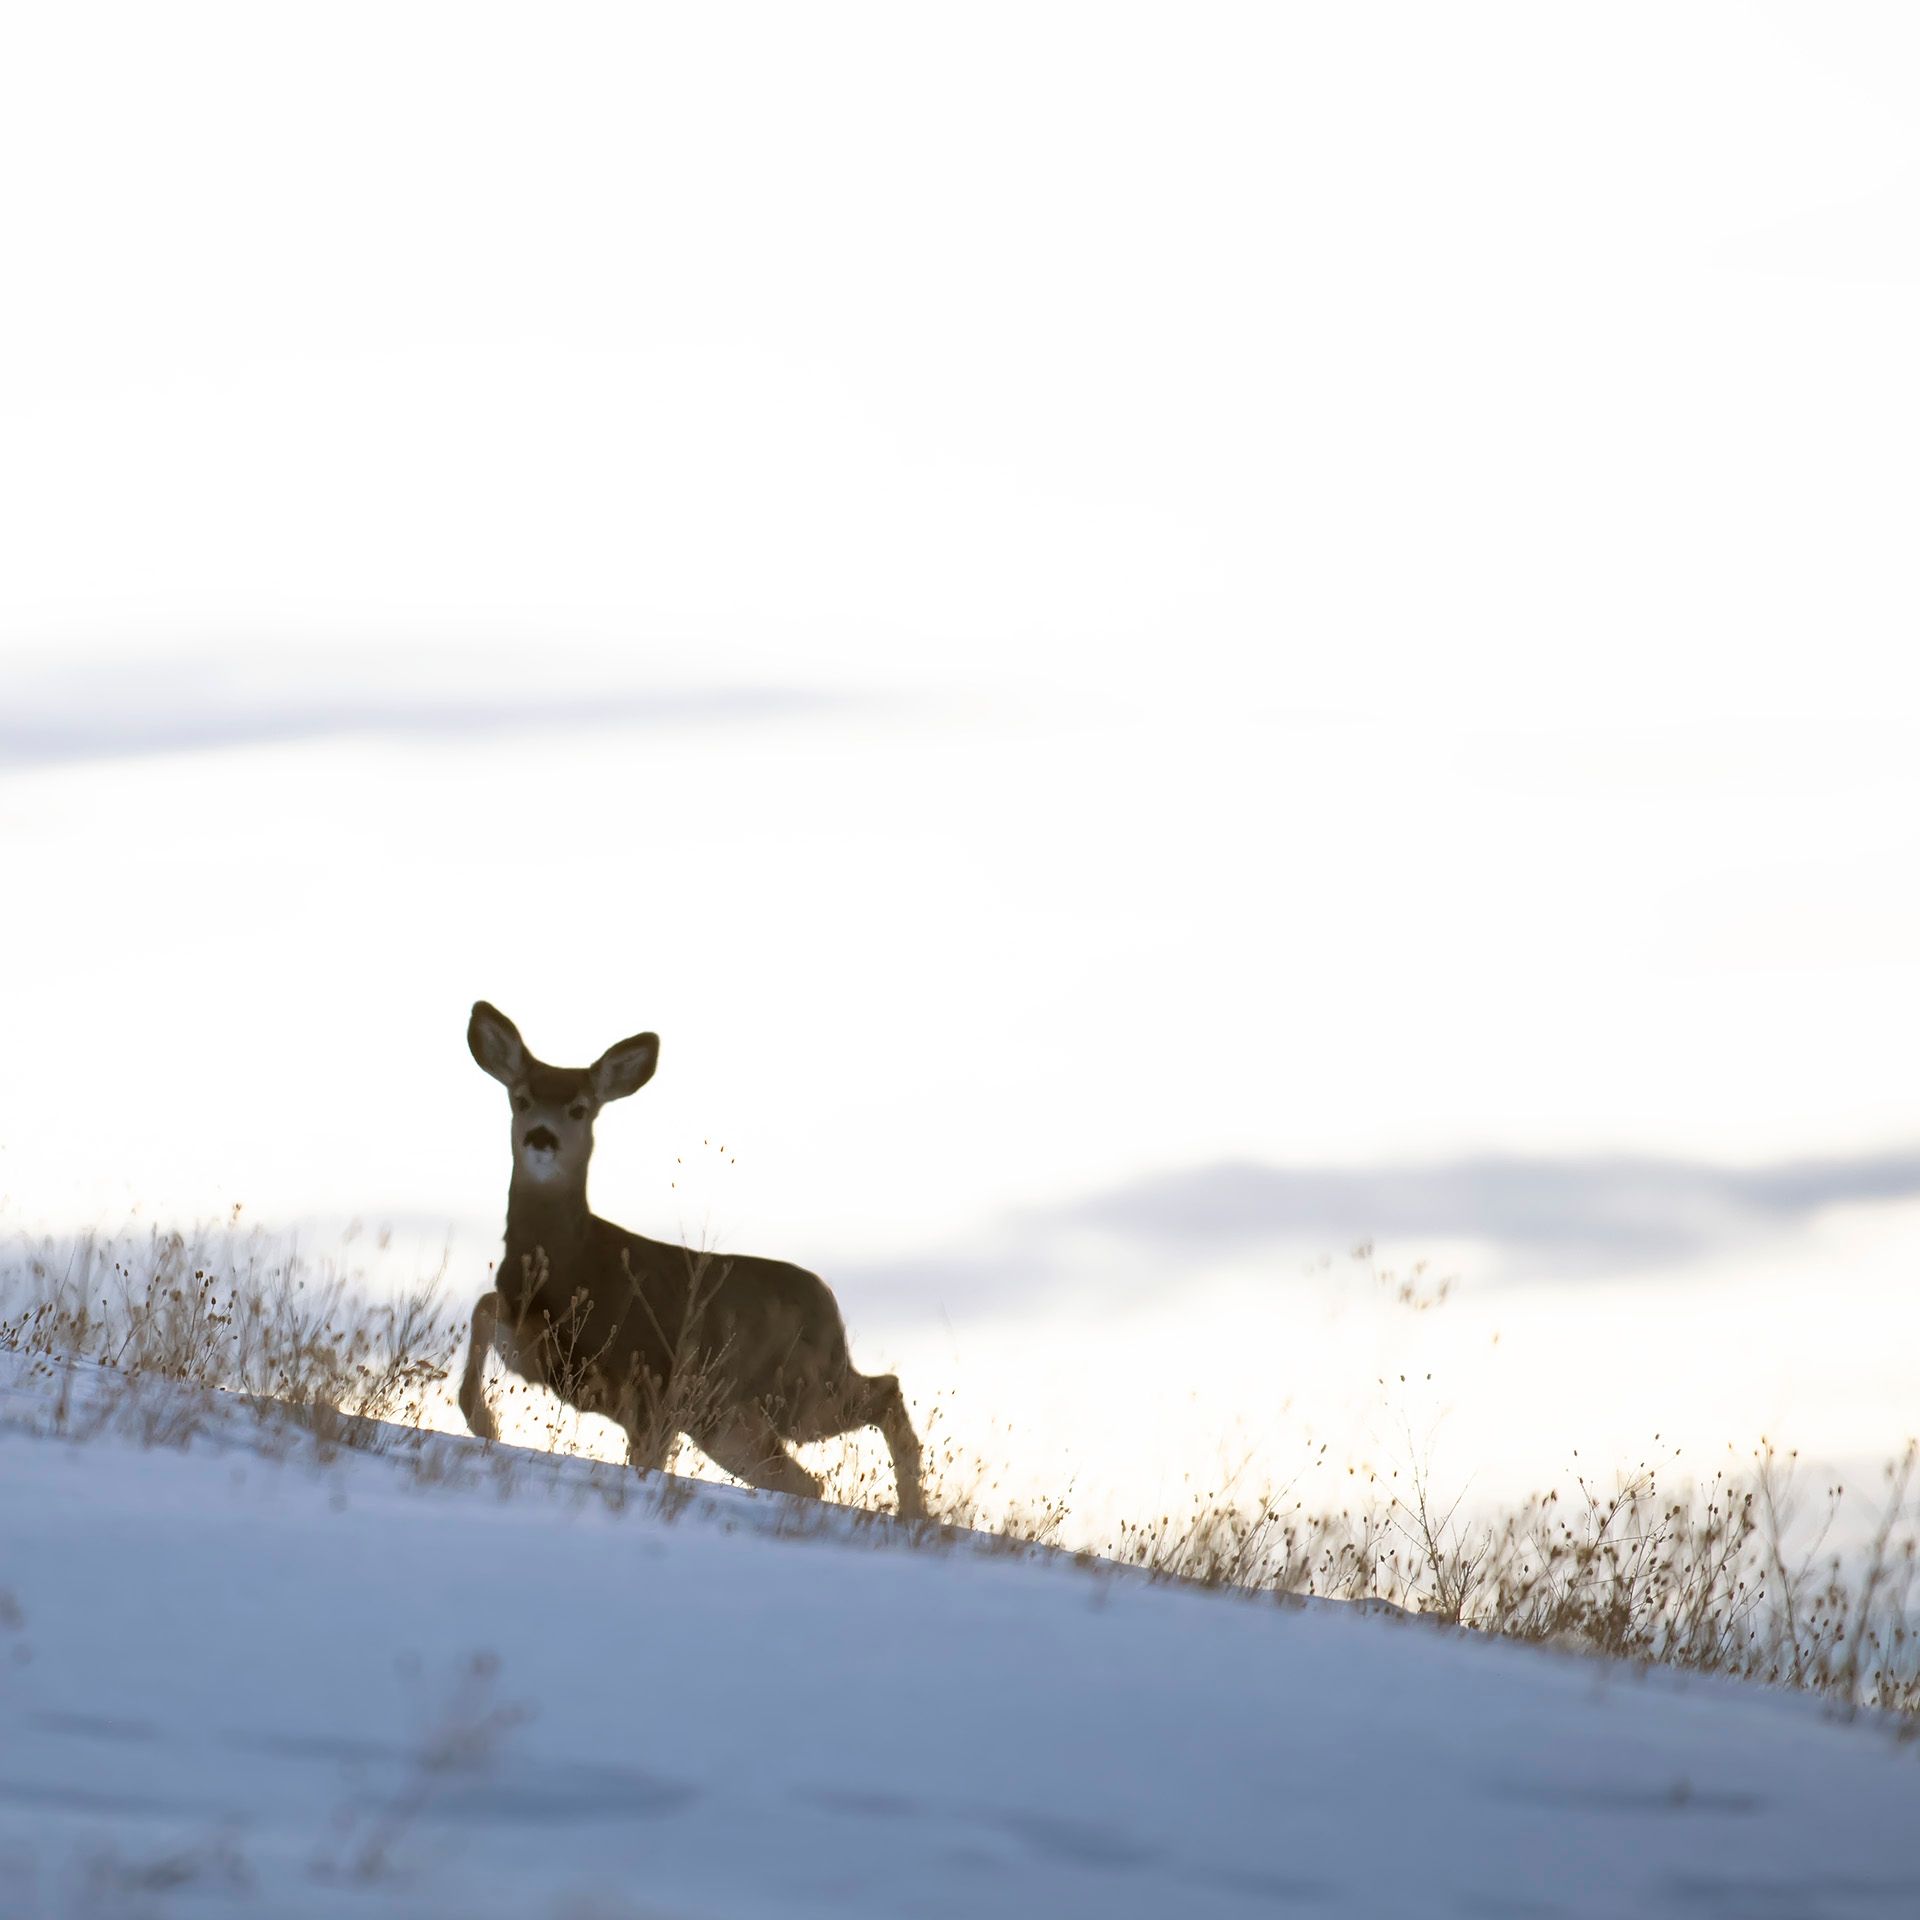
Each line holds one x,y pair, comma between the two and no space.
241,1677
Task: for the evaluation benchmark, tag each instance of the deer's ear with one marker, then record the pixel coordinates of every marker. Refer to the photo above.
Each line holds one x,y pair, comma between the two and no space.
625,1067
495,1042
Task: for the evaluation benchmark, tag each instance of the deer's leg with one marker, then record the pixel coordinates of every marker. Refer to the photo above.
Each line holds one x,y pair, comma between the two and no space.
473,1391
649,1439
641,1409
885,1406
868,1400
746,1444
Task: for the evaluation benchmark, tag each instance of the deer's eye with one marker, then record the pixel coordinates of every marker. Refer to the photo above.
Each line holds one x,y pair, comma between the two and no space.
521,1102
578,1111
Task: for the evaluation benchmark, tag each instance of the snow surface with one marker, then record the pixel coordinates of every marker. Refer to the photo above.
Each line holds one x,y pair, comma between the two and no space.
238,1678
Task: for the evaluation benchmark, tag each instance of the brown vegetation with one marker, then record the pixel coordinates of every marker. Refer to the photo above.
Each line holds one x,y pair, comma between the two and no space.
1735,1576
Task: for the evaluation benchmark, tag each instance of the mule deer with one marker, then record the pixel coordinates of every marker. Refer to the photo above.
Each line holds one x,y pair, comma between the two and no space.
742,1355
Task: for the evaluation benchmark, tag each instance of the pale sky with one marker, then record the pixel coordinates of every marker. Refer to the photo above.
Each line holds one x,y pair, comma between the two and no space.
1153,639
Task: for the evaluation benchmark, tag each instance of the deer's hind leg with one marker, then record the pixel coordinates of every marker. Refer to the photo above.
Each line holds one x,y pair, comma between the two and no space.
868,1400
473,1390
881,1404
749,1446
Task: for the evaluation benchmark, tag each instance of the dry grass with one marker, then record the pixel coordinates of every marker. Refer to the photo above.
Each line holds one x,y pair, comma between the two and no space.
1732,1576
1723,1577
176,1321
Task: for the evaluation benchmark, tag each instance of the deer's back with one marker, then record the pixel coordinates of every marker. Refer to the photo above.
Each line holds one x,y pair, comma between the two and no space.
625,1305
762,1324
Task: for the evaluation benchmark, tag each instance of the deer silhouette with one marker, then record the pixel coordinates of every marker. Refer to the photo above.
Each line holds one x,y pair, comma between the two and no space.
742,1355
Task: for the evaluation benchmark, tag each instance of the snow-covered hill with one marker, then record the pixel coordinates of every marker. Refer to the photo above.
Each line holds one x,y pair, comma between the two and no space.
237,1678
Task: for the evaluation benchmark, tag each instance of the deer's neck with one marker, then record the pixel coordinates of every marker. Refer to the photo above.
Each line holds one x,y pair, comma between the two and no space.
546,1223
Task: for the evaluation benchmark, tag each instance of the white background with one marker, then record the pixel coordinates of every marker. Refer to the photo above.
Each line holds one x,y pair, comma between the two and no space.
1053,596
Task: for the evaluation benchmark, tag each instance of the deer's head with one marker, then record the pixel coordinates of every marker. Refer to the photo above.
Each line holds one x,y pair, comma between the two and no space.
554,1107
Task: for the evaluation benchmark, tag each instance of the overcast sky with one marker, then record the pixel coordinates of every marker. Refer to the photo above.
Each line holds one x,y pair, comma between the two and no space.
1154,640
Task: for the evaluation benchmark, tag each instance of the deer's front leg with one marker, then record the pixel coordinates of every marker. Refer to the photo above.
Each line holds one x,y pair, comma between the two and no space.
473,1391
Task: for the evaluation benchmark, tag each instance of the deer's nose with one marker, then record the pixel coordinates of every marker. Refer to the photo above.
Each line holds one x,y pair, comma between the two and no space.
544,1139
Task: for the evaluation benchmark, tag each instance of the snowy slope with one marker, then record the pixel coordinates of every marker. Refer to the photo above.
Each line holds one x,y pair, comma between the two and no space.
235,1683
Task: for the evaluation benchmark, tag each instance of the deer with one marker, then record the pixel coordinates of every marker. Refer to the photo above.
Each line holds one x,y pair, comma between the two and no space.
743,1355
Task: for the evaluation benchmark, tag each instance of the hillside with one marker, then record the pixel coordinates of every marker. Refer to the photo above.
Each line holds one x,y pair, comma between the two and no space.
256,1674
